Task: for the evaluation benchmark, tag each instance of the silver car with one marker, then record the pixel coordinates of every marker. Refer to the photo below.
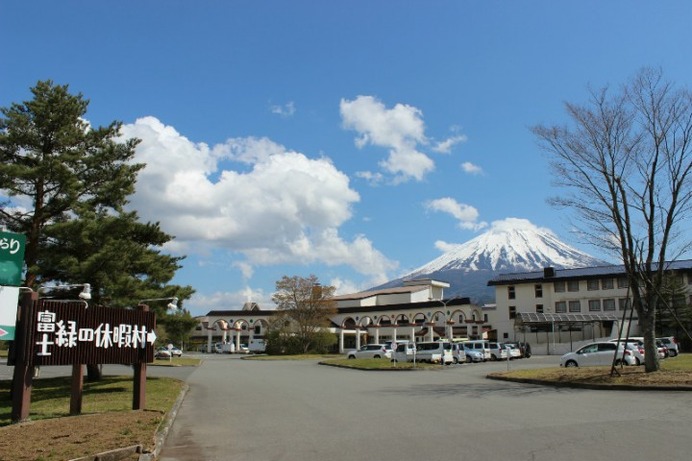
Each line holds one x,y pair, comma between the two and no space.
597,354
370,351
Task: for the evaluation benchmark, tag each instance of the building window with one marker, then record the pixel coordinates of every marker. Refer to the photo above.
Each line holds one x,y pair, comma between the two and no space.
511,294
539,290
485,318
622,282
258,329
594,305
592,284
512,312
573,285
624,303
609,304
560,307
559,287
539,308
505,335
607,284
575,306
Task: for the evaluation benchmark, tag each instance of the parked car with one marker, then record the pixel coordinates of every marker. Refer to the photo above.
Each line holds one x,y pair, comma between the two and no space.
370,351
671,343
435,352
514,352
162,353
175,352
636,347
596,354
404,352
458,353
473,355
523,348
497,351
480,345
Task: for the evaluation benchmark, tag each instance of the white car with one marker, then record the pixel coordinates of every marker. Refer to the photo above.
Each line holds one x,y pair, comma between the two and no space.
671,343
458,353
497,351
370,351
597,354
473,355
514,352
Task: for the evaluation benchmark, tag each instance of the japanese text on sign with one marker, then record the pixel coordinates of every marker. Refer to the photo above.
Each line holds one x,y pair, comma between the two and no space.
11,245
53,332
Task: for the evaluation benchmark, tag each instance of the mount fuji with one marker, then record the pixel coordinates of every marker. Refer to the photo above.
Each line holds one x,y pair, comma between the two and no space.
511,245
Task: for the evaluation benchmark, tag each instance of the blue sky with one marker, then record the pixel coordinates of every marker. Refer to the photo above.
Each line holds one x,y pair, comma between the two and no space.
350,140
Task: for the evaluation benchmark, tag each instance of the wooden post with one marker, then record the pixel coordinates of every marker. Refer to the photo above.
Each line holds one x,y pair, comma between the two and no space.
23,378
77,389
139,394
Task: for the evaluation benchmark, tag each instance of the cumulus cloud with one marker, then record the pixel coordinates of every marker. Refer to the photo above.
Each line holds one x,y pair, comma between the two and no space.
470,168
279,206
466,215
399,129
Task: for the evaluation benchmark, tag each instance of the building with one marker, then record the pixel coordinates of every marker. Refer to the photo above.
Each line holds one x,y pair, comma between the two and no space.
416,311
555,308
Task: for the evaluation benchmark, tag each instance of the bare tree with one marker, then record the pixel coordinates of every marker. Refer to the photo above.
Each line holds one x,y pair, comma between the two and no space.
625,166
306,304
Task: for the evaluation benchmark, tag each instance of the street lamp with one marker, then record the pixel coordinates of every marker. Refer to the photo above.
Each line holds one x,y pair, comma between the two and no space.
172,305
85,294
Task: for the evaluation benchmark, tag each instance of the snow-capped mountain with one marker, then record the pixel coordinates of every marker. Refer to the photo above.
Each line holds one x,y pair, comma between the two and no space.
511,245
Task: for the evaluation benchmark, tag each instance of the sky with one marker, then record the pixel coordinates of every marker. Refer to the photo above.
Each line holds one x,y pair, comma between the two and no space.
352,140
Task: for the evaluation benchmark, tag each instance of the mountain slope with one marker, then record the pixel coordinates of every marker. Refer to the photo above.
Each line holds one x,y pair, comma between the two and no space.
511,245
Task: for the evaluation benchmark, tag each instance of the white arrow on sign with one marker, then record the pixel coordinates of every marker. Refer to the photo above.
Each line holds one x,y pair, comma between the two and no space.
151,336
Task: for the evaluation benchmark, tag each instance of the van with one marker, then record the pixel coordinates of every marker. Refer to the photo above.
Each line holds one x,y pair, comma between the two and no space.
404,352
458,352
435,352
480,345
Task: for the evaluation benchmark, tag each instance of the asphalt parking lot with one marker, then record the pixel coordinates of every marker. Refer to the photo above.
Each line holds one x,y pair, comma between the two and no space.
298,410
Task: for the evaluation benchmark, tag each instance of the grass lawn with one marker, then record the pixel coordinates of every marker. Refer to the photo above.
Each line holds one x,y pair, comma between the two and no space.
675,371
107,421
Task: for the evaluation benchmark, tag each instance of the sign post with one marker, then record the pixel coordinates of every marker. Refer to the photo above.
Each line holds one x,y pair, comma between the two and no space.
57,332
11,266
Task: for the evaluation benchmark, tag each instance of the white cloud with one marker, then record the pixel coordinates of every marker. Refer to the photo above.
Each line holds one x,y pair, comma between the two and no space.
445,146
281,207
466,215
285,111
400,129
470,168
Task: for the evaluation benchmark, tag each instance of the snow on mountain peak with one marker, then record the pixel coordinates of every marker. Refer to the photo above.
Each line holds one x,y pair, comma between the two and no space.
510,245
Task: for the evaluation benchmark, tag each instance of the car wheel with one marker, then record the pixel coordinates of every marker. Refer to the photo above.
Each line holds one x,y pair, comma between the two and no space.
571,363
673,353
455,360
493,357
376,357
351,356
636,361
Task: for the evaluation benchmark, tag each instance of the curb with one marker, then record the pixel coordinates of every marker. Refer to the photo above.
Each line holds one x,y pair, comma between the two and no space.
165,427
577,385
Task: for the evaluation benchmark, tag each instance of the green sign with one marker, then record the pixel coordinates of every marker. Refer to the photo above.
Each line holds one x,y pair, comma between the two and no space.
11,258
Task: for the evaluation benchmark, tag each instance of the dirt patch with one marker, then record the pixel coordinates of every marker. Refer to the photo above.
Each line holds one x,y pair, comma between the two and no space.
71,437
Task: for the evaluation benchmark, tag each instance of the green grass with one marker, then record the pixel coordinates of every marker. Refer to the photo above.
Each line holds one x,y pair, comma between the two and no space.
675,371
50,397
